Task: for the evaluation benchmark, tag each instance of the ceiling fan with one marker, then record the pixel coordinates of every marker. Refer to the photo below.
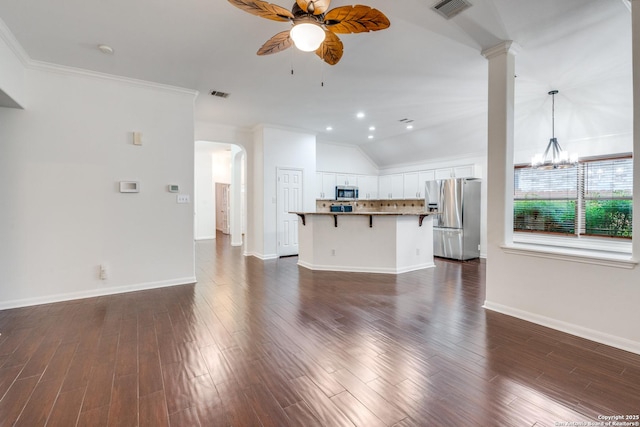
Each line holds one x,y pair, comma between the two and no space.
314,26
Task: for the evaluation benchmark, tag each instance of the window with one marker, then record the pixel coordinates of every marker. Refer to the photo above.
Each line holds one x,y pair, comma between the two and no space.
593,198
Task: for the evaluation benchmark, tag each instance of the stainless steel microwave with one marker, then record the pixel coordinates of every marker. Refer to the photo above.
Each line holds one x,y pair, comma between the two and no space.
346,192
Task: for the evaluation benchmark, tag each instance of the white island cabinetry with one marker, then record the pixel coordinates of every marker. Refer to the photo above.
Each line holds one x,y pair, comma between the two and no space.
365,242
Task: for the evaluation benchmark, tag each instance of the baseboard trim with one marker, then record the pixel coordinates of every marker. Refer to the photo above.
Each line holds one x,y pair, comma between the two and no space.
49,299
260,256
205,238
570,328
365,269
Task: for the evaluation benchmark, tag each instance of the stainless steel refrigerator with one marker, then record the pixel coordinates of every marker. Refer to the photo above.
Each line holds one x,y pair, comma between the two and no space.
456,229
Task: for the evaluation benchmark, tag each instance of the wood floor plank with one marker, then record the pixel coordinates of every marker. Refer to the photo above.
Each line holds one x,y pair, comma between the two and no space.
123,410
266,407
66,409
99,387
153,410
16,398
37,410
321,406
97,417
382,408
359,414
263,343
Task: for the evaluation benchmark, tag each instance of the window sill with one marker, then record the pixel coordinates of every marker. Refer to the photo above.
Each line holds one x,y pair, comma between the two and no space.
583,255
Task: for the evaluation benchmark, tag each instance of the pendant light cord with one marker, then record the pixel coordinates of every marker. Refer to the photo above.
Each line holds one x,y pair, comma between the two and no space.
553,115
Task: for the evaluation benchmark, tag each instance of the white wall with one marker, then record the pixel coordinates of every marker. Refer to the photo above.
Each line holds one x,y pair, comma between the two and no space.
283,149
332,157
205,212
593,296
221,163
61,213
213,165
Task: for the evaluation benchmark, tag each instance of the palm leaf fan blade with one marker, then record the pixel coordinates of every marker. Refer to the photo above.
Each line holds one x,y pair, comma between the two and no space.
355,19
264,9
277,43
331,49
316,7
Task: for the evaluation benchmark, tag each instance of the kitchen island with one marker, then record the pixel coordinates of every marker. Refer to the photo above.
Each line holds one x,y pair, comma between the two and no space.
372,242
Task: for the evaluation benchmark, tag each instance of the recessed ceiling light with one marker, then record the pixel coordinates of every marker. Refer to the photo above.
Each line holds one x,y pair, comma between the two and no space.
372,128
360,115
329,128
370,136
107,50
409,126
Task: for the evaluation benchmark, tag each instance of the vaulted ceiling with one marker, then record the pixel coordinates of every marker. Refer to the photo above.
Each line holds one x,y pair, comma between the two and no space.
423,68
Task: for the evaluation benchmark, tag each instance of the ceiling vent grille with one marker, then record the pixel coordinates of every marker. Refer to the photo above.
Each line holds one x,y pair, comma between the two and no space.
219,94
450,8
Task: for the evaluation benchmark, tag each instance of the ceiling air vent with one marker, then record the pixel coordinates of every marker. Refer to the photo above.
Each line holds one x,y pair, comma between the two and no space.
450,8
219,94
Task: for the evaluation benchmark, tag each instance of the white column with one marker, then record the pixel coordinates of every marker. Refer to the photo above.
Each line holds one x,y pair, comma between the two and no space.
500,145
236,195
635,42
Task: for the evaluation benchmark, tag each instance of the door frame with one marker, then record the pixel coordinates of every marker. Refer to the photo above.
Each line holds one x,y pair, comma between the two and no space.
279,219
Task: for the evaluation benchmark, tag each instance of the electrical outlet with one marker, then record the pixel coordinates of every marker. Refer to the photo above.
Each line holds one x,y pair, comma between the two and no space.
102,272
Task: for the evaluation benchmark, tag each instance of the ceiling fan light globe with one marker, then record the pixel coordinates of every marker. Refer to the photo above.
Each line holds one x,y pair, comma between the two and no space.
307,37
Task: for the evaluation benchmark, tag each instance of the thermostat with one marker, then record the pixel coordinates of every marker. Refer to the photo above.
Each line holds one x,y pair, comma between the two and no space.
174,188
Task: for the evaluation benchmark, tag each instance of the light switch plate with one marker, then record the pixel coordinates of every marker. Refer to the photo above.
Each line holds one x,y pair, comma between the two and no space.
137,138
129,187
182,198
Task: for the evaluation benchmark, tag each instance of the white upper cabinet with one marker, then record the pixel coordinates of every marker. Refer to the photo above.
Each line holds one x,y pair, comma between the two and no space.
318,193
346,179
423,177
465,171
444,173
414,183
397,186
391,186
325,185
411,185
367,186
384,187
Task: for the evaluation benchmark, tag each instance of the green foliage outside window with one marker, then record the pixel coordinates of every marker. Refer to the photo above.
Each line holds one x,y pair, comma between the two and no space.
608,217
553,216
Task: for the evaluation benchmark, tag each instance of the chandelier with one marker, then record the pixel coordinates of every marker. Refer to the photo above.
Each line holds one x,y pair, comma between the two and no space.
554,156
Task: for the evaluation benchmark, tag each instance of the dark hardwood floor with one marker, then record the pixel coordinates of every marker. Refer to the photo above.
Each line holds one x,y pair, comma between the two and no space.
258,343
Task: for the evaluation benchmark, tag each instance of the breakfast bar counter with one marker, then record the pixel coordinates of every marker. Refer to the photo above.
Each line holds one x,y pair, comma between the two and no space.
372,242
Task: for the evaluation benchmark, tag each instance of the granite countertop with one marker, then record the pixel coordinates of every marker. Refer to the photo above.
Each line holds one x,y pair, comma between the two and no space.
367,213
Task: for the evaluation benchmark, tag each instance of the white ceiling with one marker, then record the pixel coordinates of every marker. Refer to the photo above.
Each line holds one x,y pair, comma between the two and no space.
423,68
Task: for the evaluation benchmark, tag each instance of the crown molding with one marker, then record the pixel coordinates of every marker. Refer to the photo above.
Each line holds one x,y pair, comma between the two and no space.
507,46
14,45
29,63
81,72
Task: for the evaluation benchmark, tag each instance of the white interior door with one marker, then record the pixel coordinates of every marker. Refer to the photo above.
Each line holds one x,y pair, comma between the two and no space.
289,199
222,205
